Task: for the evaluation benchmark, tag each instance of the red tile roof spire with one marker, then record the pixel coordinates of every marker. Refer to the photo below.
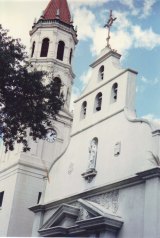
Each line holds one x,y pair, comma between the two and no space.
58,9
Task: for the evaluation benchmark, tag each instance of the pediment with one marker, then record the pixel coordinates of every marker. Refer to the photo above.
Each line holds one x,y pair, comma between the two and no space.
100,217
64,216
64,222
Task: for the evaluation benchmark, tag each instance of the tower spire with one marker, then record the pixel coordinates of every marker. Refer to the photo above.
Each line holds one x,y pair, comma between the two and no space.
60,7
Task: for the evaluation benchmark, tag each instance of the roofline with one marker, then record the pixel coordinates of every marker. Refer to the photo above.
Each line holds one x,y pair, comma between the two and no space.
104,57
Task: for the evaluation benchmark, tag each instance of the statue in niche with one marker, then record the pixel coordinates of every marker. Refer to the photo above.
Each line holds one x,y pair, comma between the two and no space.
91,171
92,154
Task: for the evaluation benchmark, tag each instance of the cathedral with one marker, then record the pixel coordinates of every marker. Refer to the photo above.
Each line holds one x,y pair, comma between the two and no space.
97,173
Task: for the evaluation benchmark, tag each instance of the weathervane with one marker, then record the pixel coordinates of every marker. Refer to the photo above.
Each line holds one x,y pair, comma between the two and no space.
108,25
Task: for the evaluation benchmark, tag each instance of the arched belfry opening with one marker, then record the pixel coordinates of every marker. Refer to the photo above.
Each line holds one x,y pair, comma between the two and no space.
83,110
114,92
33,48
58,85
45,47
98,102
60,50
101,73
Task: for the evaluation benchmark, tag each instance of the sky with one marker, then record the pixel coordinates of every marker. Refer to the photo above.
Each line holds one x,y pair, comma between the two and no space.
135,35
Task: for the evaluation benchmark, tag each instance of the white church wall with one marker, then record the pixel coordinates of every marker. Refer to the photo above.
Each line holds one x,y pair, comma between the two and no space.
131,208
24,197
7,184
133,157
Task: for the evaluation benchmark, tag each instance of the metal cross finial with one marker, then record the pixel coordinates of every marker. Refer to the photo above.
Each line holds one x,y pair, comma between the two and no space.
108,25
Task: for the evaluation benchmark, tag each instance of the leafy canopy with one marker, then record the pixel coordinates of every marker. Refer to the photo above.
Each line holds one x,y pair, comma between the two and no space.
26,102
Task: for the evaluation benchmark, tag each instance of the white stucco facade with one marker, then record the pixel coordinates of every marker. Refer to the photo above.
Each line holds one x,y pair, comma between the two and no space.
111,125
99,178
115,184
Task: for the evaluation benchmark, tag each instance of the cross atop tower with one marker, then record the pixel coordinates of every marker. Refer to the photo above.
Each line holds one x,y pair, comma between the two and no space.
108,25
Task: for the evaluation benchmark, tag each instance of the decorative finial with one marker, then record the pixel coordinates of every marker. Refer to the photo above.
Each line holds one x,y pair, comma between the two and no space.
57,13
108,25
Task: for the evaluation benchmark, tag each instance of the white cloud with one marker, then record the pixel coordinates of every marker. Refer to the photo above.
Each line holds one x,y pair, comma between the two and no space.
121,41
154,81
147,7
84,19
99,40
144,79
122,21
85,77
74,3
140,88
130,5
145,38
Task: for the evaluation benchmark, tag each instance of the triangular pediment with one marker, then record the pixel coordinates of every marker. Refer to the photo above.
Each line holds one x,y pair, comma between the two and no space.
65,221
64,216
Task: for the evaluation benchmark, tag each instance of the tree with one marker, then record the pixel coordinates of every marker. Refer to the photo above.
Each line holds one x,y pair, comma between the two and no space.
26,103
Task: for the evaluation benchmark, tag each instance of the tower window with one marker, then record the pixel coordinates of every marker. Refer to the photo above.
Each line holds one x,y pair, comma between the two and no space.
101,72
70,57
1,198
60,50
57,85
44,48
33,47
114,92
98,102
83,110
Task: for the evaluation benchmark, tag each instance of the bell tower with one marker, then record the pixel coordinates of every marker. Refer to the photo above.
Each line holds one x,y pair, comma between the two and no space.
53,40
23,175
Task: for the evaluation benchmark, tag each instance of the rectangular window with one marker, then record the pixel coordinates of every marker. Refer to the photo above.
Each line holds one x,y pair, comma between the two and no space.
1,198
39,197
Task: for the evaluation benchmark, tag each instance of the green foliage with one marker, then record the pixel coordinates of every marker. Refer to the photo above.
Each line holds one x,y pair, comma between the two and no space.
25,101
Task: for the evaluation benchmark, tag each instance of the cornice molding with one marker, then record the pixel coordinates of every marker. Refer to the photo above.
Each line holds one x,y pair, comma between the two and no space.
138,178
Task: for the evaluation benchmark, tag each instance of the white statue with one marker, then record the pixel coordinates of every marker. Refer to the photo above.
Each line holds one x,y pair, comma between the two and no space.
93,154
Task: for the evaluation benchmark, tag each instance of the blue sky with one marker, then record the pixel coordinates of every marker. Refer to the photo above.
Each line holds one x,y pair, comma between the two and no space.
135,34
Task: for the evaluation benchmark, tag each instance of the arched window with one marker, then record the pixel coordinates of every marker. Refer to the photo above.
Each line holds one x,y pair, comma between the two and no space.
60,50
70,57
83,110
33,47
44,48
114,92
58,85
101,73
98,102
